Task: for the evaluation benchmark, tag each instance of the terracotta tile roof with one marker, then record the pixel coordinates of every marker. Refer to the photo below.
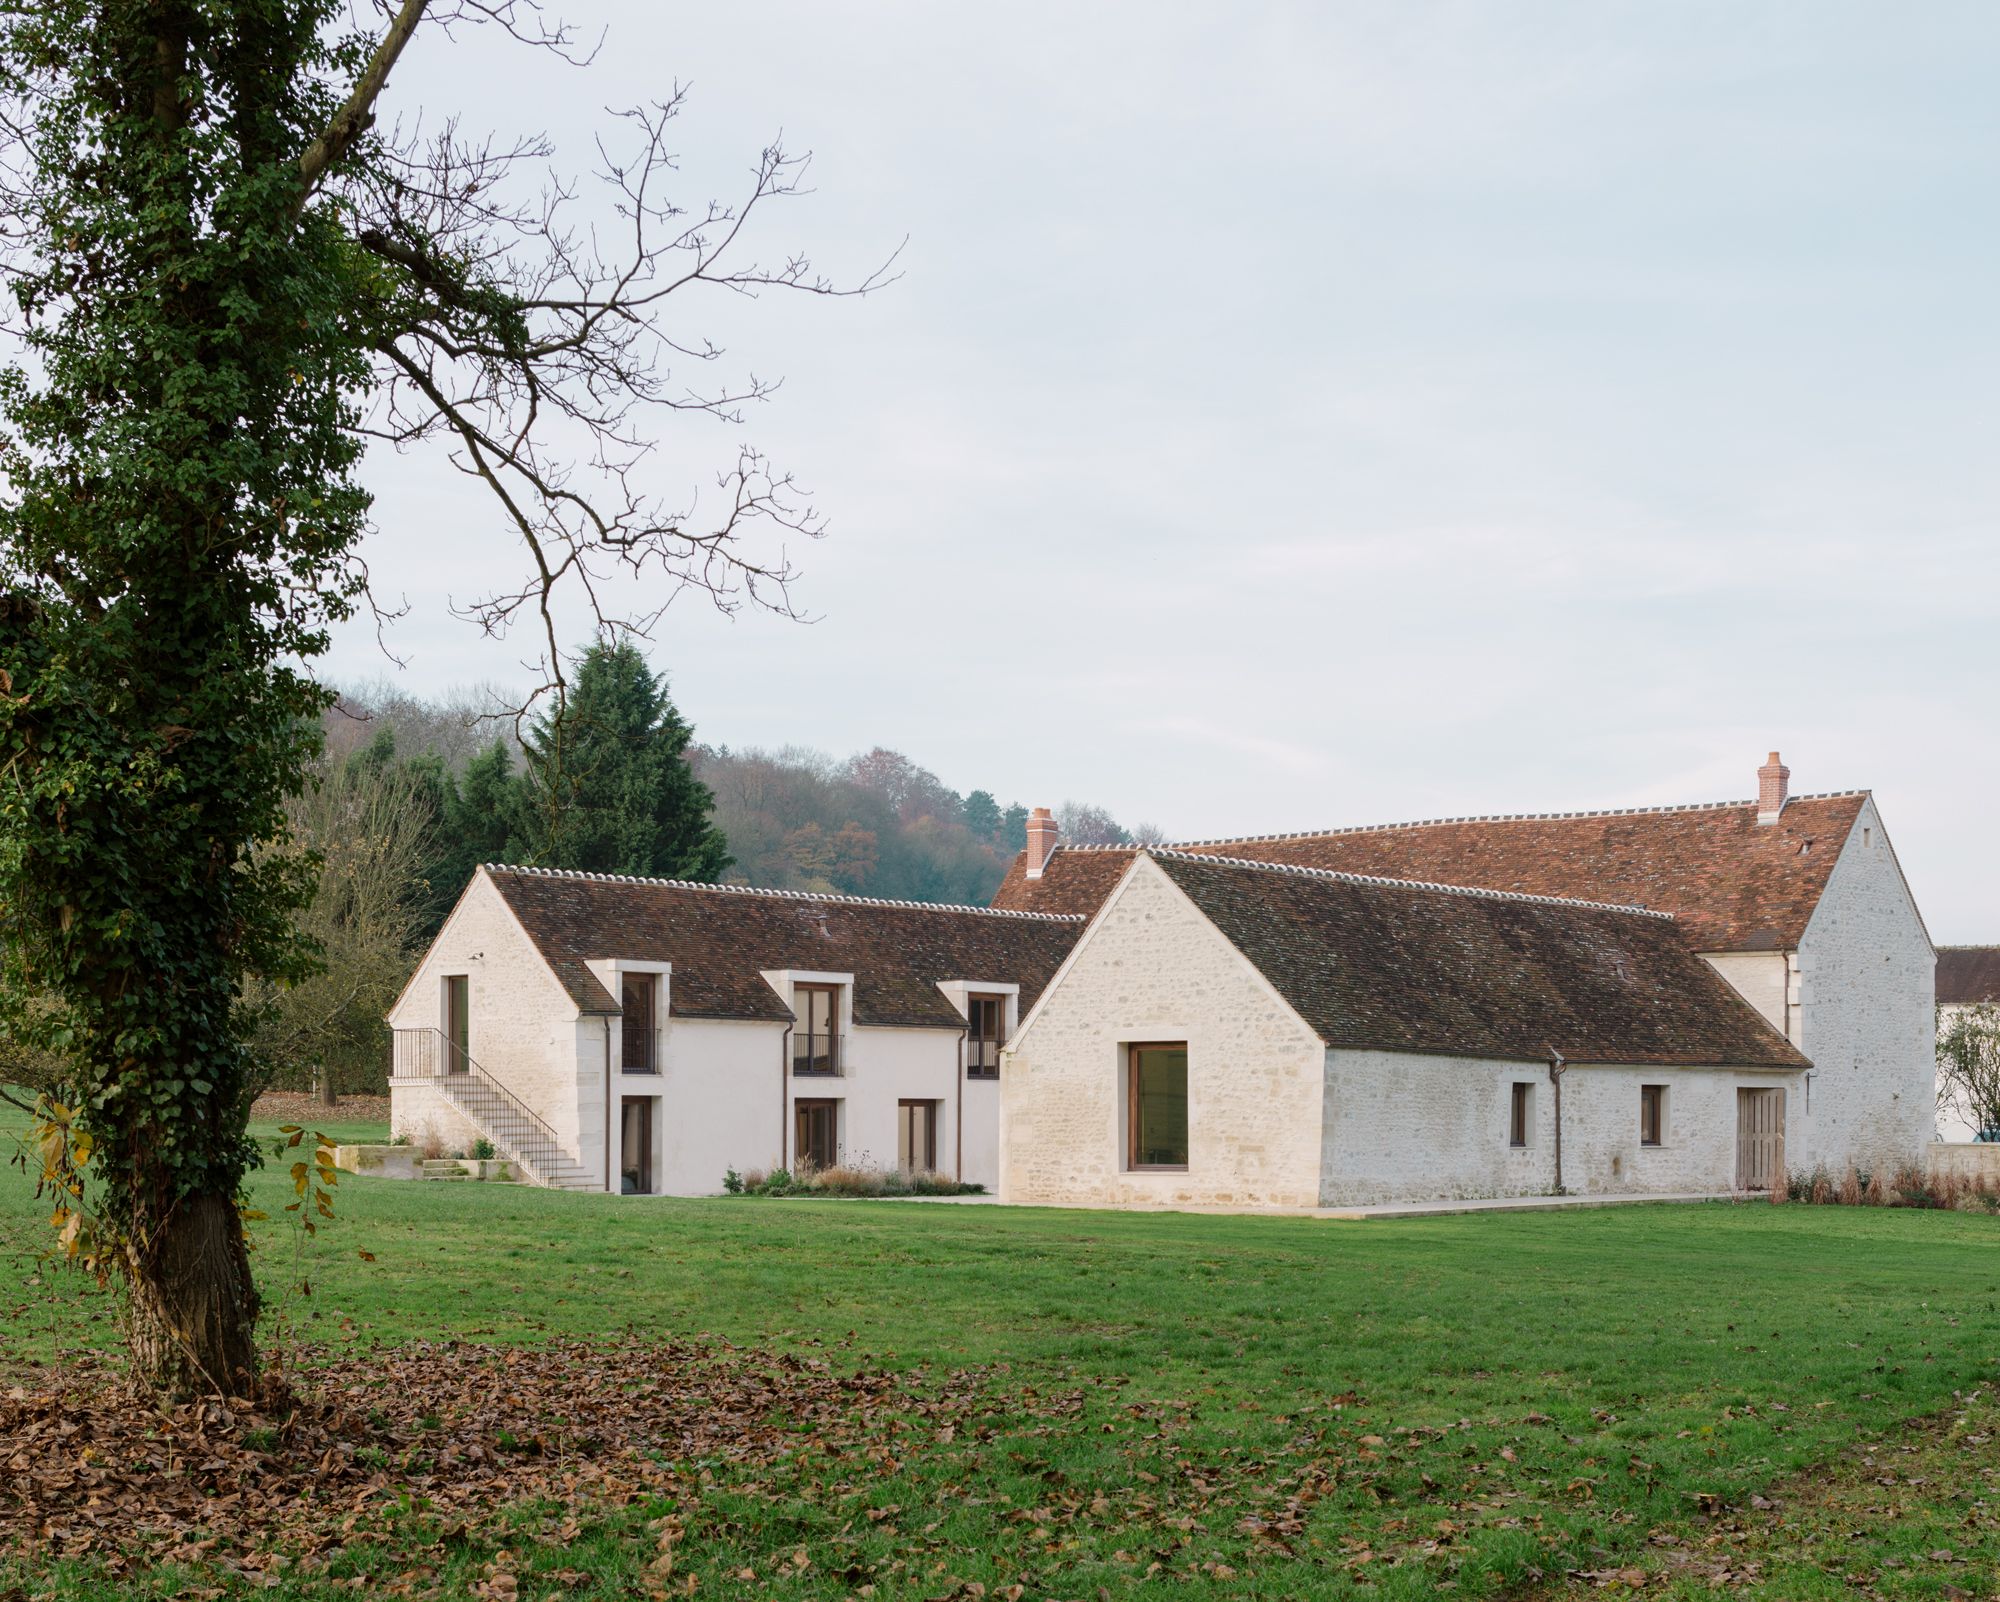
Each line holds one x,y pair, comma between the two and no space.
1379,963
1077,880
1968,975
1735,885
719,937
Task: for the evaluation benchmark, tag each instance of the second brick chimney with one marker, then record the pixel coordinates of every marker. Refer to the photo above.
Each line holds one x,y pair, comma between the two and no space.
1042,834
1772,779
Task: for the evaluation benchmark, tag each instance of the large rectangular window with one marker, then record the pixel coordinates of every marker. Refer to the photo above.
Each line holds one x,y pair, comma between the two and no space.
1520,1114
986,1033
815,1036
1652,1115
1156,1106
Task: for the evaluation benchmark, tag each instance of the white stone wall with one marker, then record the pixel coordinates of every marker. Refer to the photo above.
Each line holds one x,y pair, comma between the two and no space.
1405,1127
1152,968
1867,977
1768,980
522,1026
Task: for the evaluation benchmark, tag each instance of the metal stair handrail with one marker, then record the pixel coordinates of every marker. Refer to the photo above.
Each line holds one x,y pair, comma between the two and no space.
426,1054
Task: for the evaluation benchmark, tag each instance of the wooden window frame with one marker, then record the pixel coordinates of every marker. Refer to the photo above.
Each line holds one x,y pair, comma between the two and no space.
1653,1102
457,1029
802,1105
973,1002
1520,1114
1132,1163
649,984
831,991
648,1138
930,1106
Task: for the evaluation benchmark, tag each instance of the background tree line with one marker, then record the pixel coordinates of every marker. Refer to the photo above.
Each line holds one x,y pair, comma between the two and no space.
410,795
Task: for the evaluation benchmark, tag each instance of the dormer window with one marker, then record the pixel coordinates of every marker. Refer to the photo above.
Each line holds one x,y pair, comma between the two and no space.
986,1033
816,1029
640,1008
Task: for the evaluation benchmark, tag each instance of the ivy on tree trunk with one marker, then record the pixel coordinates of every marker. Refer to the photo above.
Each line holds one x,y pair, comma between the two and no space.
225,282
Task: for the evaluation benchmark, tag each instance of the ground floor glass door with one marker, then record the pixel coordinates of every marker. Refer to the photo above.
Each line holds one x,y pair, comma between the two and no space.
815,1133
1760,1138
635,1162
916,1136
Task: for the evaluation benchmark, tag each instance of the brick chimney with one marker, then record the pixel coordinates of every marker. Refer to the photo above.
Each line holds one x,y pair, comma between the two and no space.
1042,833
1772,778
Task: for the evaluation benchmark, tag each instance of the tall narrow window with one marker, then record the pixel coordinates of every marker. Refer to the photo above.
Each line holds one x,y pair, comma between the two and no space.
457,1023
985,1034
916,1136
1520,1114
639,1054
1156,1106
815,1134
815,1035
1652,1114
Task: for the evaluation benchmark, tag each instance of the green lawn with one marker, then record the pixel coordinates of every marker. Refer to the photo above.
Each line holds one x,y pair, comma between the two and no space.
1273,1407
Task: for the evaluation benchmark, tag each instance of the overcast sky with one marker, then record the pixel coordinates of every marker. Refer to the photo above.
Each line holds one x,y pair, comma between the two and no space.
1300,415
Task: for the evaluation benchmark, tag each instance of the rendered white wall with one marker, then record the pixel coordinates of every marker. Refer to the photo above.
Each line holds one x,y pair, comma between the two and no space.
1868,1011
1152,968
1764,979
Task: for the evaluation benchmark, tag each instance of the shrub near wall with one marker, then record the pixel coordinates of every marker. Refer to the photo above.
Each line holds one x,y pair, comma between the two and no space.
1944,1188
844,1179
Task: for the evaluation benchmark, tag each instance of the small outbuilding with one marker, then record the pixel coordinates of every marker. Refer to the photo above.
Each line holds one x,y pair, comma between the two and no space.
1242,1033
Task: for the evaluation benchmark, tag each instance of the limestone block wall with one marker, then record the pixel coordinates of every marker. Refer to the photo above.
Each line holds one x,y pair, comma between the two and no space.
1152,968
1405,1127
523,1027
1976,1161
1867,1004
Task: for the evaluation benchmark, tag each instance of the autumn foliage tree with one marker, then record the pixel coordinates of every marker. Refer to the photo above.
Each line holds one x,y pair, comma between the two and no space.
225,278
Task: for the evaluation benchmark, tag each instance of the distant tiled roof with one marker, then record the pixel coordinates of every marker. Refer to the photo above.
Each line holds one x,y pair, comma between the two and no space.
1734,884
719,937
1968,975
1077,880
1377,963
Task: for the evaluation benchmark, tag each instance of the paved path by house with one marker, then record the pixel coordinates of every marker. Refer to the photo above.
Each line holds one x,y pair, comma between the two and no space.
1428,1209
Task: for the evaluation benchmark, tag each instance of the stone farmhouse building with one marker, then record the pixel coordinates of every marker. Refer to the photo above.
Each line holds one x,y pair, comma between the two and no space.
1231,1032
644,1035
1968,980
1797,902
1669,1000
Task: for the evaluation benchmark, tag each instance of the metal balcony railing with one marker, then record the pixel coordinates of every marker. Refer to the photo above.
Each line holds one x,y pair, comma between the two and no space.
428,1056
819,1056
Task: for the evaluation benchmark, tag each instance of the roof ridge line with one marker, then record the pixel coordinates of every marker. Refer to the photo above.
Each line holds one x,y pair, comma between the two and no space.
1406,884
1483,817
784,895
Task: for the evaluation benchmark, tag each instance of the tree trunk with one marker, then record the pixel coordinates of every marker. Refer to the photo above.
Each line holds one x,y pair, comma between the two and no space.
327,1096
192,1311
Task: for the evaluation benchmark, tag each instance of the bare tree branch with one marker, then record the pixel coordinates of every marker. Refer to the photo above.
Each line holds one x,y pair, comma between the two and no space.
358,111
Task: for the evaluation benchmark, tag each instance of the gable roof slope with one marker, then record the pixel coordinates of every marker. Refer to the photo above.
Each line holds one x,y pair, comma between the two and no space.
719,939
1733,883
1968,975
1376,963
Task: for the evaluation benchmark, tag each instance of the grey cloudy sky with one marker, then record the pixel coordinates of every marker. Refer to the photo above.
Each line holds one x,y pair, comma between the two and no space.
1297,415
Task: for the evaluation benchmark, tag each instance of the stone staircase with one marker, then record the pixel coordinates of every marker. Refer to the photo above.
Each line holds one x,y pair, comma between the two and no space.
516,1132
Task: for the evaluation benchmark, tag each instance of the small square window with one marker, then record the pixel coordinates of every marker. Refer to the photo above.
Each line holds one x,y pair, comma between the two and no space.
1521,1114
1652,1115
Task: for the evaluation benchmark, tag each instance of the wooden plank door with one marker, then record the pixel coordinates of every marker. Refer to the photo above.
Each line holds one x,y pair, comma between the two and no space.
457,1023
1760,1138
